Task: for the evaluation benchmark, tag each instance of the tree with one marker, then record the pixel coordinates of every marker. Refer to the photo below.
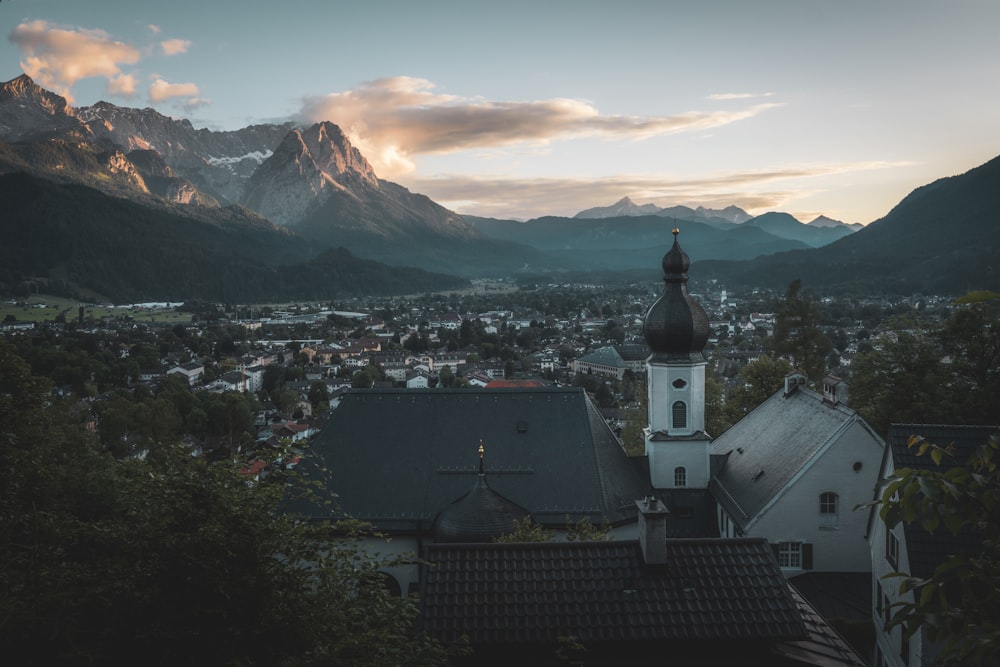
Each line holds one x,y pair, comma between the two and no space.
901,381
173,560
797,333
318,394
959,605
761,378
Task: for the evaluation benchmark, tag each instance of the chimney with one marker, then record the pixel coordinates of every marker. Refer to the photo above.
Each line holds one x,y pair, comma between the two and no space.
793,381
652,530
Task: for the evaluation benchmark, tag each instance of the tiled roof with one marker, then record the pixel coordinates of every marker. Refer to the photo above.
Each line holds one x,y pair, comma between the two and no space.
926,551
709,589
397,457
769,446
823,647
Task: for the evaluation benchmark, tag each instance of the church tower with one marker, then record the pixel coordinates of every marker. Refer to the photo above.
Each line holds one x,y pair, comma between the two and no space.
676,329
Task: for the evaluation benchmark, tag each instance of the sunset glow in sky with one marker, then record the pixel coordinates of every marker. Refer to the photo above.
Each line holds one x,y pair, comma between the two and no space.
522,109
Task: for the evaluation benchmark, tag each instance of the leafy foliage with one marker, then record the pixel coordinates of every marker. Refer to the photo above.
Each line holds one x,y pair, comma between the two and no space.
950,376
797,333
761,378
173,560
959,605
526,530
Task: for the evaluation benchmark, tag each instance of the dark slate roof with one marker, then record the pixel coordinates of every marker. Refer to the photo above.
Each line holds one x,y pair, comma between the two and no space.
769,446
925,551
398,457
837,594
823,647
709,589
480,515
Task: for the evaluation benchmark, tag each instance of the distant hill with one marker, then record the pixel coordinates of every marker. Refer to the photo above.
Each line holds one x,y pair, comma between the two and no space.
942,238
629,242
786,226
74,240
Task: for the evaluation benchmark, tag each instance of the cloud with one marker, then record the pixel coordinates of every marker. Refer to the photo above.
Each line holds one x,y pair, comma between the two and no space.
123,84
58,57
522,198
172,47
153,28
393,120
737,96
161,90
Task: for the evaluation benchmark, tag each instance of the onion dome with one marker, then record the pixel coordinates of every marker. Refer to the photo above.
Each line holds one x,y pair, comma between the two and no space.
480,515
676,326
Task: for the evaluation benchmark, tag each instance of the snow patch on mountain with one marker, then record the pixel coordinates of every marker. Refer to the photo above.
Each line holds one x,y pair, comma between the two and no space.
256,156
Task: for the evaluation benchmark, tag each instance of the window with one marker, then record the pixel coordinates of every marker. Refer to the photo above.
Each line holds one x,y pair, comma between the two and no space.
828,503
679,383
680,476
680,414
790,554
891,548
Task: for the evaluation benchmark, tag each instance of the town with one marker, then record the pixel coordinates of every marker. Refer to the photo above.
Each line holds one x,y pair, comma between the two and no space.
290,363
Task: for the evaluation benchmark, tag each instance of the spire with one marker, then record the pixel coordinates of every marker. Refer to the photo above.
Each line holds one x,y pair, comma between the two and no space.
676,326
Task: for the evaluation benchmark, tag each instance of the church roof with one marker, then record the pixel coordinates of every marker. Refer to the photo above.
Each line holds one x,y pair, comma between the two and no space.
772,444
711,592
481,515
676,326
398,457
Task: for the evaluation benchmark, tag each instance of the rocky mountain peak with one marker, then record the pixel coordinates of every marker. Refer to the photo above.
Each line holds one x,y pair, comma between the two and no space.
333,153
25,88
28,111
306,167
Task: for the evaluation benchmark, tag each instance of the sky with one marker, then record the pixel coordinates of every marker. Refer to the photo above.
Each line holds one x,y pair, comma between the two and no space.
520,109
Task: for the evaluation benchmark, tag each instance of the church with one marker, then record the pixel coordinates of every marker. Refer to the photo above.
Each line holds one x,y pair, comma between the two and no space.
444,472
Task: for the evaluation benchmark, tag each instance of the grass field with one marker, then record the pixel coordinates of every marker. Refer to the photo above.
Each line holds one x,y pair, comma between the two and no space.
46,308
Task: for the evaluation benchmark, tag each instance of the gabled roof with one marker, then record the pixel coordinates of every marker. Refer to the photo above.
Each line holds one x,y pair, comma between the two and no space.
711,589
925,551
397,457
773,444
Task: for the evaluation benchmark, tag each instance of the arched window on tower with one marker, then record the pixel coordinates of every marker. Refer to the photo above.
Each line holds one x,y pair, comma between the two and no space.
679,414
680,476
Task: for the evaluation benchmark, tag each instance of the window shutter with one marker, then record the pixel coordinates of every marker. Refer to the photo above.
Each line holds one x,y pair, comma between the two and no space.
807,556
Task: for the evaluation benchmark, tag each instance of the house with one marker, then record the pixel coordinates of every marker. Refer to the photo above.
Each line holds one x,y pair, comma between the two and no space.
612,361
192,371
908,547
417,379
792,470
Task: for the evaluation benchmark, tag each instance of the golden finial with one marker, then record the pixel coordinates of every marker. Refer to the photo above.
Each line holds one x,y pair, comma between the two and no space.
482,452
676,231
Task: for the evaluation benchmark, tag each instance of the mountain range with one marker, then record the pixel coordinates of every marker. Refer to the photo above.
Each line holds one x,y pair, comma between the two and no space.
279,196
